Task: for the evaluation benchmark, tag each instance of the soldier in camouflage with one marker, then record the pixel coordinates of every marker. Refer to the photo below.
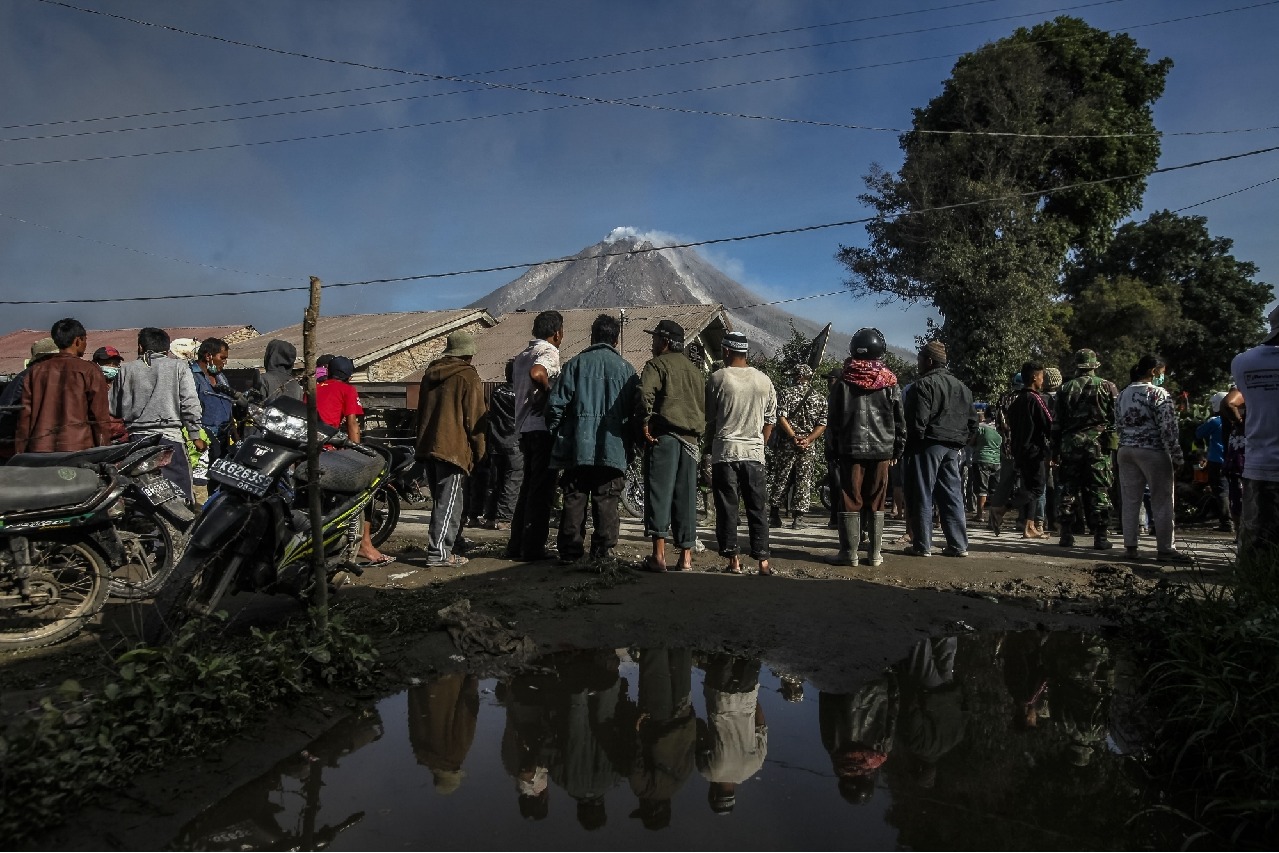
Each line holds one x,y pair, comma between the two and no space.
801,420
1083,441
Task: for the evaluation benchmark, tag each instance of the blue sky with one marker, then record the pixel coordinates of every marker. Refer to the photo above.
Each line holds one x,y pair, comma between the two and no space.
477,189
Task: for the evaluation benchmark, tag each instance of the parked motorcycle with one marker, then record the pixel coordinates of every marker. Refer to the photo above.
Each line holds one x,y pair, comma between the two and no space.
148,536
633,490
53,577
402,485
254,533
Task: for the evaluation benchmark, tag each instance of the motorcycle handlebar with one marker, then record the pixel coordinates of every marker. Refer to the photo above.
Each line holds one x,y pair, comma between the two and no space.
340,439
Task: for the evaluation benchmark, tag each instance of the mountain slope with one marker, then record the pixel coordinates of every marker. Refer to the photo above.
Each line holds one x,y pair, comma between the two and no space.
599,277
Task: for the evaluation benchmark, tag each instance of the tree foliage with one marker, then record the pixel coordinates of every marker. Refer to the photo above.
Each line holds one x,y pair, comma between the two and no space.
980,225
1167,285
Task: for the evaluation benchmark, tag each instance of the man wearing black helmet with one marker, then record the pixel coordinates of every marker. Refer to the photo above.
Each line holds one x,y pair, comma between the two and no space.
867,435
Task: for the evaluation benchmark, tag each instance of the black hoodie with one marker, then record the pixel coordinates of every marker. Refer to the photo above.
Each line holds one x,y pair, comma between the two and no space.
278,378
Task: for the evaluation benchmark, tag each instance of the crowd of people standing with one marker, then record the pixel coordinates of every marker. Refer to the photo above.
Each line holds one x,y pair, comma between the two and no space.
1061,451
1062,454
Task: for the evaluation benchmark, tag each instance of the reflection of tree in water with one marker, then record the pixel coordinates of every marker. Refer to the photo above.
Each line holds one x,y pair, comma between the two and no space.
1031,763
253,817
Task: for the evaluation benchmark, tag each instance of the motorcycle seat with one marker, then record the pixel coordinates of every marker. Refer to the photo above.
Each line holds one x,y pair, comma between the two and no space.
346,471
110,454
29,489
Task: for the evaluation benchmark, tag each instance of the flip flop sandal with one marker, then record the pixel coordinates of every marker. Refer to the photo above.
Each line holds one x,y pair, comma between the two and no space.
729,570
650,564
377,564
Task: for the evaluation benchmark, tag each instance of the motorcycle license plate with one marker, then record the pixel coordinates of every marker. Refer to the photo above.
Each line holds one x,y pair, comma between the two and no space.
158,490
234,474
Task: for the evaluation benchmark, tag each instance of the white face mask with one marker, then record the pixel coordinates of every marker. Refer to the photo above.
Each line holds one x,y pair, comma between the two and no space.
109,372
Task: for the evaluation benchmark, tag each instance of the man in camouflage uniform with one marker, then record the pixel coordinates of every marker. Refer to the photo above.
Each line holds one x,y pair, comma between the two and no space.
801,420
1083,440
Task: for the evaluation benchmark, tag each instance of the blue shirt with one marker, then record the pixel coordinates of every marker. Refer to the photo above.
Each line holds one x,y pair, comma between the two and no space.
216,408
1210,430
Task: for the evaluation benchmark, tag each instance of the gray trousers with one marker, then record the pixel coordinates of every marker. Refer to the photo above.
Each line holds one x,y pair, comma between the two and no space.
447,482
1139,468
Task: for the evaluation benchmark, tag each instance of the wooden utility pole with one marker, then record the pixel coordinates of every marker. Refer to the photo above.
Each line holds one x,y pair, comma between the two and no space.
320,593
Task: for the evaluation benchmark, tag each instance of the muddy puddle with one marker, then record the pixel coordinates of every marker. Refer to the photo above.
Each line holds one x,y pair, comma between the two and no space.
1013,741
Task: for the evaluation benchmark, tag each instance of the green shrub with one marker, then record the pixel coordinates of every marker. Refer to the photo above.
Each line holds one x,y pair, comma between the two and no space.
1211,685
159,703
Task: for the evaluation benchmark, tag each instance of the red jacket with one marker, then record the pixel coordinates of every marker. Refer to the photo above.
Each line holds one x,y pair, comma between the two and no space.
64,407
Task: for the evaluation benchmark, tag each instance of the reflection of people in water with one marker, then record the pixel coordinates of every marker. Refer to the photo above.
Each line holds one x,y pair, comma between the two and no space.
562,726
857,730
526,740
791,686
665,733
585,720
442,716
1063,678
249,819
733,741
1081,678
932,718
1020,655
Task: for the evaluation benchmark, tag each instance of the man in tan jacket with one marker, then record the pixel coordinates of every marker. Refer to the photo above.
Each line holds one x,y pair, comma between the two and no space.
450,440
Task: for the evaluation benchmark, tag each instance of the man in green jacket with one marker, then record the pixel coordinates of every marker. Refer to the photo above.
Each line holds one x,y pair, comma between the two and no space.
590,417
671,407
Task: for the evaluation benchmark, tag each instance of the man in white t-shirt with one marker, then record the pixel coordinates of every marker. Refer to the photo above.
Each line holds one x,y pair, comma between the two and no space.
535,369
1256,375
741,409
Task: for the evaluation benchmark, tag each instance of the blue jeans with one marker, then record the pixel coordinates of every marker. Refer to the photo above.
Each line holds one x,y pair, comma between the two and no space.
932,476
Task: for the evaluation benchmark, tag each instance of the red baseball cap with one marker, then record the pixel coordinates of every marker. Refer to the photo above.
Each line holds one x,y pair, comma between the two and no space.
104,353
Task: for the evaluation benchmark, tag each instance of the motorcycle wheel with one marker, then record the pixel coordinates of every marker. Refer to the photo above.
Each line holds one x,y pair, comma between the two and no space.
633,495
161,543
383,513
823,492
70,578
705,508
168,611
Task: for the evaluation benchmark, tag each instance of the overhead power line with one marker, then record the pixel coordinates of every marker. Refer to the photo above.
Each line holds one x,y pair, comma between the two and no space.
578,99
645,250
548,63
140,251
699,89
1225,195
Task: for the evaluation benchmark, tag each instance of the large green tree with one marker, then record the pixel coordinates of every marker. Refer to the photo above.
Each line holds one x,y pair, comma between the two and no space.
977,222
1167,285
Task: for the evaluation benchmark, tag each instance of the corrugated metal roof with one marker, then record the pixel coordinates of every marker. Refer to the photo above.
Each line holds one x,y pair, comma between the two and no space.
513,332
15,347
363,338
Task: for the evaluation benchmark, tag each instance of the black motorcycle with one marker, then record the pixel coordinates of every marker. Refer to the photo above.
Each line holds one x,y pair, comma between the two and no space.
148,537
403,485
53,575
254,533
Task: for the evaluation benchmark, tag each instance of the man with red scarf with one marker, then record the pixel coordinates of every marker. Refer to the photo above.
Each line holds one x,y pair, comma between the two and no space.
867,434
